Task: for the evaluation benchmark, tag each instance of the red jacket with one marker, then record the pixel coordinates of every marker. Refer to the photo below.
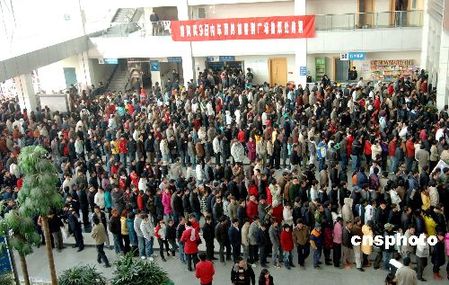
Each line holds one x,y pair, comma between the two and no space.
286,240
252,190
241,136
123,146
190,246
204,270
140,203
251,210
409,149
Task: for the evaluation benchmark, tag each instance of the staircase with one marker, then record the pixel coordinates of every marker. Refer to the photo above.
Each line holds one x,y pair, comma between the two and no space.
124,15
119,80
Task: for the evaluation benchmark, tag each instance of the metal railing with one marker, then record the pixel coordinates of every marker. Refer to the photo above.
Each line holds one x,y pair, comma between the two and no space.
325,22
160,28
372,20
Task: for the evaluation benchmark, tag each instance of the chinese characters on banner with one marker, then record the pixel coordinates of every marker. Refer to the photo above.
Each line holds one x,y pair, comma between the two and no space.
282,27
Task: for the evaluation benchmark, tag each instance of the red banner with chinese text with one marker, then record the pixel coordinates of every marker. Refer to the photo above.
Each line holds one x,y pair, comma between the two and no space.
280,27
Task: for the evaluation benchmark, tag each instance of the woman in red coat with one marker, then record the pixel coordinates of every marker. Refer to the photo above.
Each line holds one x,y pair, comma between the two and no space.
252,208
251,146
286,240
190,238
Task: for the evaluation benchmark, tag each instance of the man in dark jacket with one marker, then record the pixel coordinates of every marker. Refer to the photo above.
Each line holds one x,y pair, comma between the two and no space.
221,234
235,239
242,274
75,228
209,236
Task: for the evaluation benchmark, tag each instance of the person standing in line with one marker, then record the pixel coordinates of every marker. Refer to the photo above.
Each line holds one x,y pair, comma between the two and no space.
301,234
438,256
357,231
235,239
147,229
160,232
337,240
316,243
204,270
265,277
347,252
190,238
405,275
99,235
276,245
242,274
139,235
179,230
287,246
209,236
422,255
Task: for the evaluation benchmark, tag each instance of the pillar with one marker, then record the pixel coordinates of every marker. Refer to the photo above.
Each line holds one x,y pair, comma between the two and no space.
443,71
300,47
188,68
86,68
25,91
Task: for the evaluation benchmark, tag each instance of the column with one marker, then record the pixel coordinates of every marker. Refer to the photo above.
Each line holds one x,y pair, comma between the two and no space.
188,71
443,71
300,48
188,67
25,91
85,68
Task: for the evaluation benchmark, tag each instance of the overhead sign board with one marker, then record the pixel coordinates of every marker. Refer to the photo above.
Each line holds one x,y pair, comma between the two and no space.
256,28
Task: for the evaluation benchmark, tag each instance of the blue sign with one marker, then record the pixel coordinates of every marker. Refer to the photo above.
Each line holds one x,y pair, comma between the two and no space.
303,71
5,261
111,60
175,59
155,65
357,55
226,58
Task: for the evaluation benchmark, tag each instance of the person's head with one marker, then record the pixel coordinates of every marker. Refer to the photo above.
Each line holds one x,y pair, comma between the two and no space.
264,274
406,261
203,256
235,223
96,220
286,227
241,262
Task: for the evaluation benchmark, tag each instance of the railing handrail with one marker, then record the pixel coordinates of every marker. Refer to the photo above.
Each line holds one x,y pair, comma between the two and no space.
369,13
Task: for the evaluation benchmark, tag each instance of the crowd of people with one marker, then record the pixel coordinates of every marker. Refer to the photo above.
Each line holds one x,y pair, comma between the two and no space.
264,171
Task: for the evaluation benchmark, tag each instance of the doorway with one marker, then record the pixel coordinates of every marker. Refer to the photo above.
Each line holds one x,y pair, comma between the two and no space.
341,70
366,13
70,76
278,71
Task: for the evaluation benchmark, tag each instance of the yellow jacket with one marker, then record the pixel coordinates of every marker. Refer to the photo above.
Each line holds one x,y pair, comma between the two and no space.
366,247
425,201
430,225
114,148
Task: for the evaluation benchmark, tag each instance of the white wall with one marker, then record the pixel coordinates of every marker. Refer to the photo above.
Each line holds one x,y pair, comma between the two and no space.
51,77
217,2
249,10
320,7
382,5
375,40
100,72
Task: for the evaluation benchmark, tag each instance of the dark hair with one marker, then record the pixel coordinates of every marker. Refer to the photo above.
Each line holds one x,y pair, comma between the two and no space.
95,219
203,256
406,261
262,275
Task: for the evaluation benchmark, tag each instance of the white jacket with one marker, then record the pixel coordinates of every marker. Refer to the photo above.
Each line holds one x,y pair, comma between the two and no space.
147,229
216,145
422,250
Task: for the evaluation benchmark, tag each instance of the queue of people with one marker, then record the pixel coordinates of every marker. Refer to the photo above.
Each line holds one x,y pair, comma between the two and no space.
270,173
